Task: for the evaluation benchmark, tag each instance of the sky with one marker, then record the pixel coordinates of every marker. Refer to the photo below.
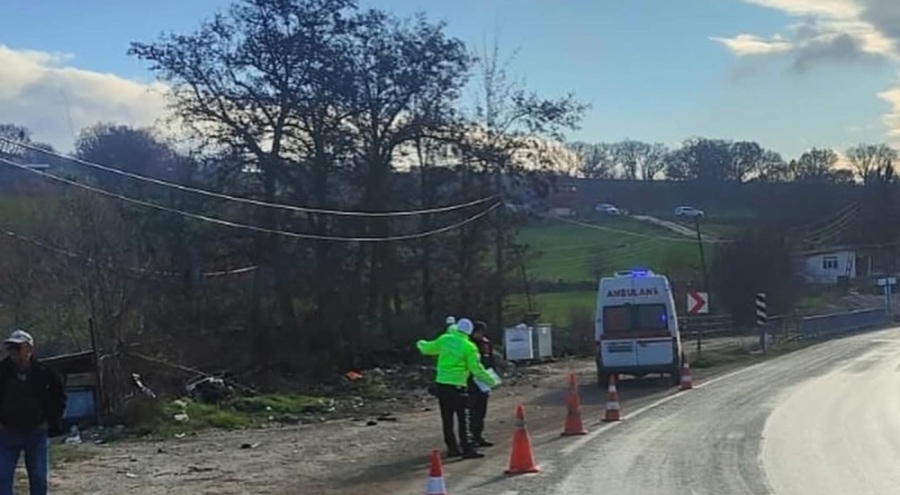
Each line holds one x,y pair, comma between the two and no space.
790,74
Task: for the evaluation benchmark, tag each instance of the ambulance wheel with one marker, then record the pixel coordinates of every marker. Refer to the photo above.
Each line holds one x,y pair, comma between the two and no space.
676,372
676,377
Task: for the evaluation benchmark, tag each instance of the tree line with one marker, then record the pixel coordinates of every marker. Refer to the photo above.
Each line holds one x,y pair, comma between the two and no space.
720,160
395,189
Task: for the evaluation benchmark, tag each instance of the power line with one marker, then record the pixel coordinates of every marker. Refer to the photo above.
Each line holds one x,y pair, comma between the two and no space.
255,202
830,231
634,234
243,226
820,224
74,255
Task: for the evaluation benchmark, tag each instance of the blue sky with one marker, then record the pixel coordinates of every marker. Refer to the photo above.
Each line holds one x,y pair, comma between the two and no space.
649,68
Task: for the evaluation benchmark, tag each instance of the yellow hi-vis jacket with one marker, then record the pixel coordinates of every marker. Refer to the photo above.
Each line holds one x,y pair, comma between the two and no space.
458,358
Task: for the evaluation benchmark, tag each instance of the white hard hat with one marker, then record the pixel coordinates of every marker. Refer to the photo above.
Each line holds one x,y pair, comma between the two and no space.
465,326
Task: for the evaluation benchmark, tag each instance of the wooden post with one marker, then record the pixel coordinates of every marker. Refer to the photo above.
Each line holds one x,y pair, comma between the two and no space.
99,396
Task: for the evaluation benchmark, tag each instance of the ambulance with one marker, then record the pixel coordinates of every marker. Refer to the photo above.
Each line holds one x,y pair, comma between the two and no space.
636,328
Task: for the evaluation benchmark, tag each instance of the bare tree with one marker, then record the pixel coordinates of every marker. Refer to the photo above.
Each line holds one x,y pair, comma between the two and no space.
506,118
868,160
746,160
597,160
654,161
819,165
242,81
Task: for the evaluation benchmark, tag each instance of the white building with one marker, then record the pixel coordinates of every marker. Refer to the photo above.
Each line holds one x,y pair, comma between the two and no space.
827,265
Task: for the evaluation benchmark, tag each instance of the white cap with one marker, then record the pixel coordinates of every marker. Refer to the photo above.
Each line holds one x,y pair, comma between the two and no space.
465,326
20,337
451,320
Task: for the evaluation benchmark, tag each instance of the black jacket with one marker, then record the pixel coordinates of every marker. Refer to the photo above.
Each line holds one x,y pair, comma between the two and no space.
39,398
486,350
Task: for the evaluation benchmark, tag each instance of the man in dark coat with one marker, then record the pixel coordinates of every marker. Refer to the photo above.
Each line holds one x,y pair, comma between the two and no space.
32,403
480,398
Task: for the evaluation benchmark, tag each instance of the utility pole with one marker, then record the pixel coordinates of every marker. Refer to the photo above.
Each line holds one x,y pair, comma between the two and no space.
702,255
501,234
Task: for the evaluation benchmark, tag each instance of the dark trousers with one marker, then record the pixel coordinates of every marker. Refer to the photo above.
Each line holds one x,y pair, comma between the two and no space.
36,446
454,403
479,412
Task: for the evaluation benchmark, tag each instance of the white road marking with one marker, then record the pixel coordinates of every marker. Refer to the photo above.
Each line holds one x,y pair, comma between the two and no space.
582,441
546,467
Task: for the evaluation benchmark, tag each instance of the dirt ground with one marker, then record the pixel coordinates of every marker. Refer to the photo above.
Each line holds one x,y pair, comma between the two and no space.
347,456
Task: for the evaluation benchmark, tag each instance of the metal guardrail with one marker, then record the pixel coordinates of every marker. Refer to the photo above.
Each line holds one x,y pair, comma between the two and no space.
789,328
838,323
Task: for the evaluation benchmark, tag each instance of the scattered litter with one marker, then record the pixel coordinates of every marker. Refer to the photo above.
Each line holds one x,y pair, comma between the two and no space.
209,390
250,445
74,437
181,417
136,380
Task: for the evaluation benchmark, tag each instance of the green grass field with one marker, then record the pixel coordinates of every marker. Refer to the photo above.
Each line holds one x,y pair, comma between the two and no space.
555,307
566,252
577,253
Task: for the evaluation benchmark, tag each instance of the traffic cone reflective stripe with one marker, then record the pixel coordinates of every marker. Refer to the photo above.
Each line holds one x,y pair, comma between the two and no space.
687,380
613,408
435,484
521,458
574,424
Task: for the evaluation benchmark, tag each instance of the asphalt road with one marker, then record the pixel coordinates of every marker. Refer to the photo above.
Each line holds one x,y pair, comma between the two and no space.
823,420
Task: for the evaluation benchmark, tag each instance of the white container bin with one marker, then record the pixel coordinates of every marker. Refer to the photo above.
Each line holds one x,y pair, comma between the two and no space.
519,343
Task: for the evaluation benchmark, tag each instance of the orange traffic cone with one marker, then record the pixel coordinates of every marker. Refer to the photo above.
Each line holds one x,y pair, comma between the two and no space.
687,380
521,459
613,408
573,425
436,485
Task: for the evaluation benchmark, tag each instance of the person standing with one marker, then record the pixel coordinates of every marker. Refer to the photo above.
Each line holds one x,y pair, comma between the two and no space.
32,403
457,360
480,397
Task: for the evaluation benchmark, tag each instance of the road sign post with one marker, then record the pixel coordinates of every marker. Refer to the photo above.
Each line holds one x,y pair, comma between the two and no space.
698,304
888,283
762,318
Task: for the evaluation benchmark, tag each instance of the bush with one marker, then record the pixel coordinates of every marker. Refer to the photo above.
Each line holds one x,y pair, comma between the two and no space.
577,339
758,261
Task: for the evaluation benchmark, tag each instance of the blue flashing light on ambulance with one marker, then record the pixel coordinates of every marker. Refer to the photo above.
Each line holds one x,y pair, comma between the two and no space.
636,328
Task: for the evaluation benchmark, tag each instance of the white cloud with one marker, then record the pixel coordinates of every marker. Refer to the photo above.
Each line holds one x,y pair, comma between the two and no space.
892,118
37,87
828,8
751,44
832,30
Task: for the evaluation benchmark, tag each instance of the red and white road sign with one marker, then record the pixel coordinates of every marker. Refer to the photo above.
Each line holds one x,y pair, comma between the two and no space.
697,303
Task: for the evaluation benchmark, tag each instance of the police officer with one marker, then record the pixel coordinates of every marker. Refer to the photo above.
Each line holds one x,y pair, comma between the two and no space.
457,360
480,397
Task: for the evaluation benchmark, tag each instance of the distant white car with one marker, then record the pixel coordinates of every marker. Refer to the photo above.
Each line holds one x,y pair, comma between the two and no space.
689,212
608,209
